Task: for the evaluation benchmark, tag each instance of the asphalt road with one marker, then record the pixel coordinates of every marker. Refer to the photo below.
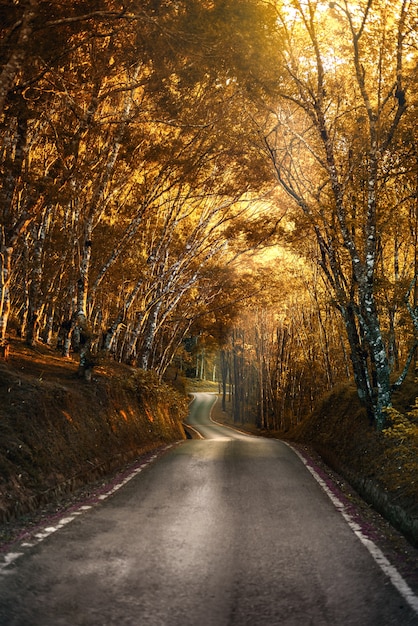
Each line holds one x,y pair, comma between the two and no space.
227,530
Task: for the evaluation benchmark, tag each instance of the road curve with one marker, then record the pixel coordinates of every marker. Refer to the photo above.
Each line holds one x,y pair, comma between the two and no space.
229,530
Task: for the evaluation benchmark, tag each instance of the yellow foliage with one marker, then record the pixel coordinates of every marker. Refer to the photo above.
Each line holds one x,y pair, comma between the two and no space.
402,428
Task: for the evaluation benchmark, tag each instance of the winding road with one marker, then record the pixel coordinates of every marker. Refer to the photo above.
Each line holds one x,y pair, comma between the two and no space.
224,530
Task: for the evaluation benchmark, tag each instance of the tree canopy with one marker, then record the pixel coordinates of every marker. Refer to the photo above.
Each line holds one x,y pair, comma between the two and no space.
335,136
146,147
127,169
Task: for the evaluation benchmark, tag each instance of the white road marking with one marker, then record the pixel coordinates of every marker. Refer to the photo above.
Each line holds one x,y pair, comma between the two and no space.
395,577
10,557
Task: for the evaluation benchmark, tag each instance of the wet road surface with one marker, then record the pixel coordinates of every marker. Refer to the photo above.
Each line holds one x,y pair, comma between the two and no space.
229,530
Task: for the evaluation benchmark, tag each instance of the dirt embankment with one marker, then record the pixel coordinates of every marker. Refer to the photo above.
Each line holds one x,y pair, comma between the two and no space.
381,467
58,432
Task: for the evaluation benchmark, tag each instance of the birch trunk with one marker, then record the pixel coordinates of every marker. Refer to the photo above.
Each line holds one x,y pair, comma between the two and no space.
224,376
369,320
80,320
169,346
6,253
131,343
35,304
149,335
97,207
112,331
346,218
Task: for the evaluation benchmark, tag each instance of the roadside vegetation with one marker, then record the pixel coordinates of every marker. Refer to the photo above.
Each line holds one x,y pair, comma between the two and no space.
60,438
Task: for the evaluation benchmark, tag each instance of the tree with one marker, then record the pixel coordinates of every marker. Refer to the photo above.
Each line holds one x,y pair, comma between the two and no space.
329,137
108,113
292,351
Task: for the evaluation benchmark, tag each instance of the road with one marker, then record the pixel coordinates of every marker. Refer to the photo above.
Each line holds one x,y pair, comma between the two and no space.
229,530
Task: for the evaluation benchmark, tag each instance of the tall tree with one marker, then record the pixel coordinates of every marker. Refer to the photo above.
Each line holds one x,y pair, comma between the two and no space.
107,109
342,105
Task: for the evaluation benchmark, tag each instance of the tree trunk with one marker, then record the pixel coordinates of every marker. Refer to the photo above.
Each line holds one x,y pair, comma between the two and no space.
149,335
358,358
6,254
382,391
35,293
224,377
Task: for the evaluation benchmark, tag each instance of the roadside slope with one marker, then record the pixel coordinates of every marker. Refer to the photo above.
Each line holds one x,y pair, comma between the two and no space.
382,467
58,432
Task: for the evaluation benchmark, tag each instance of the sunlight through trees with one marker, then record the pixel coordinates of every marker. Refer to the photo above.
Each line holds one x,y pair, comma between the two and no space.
149,151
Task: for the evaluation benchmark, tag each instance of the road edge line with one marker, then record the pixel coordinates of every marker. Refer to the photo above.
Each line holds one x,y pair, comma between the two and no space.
69,515
380,559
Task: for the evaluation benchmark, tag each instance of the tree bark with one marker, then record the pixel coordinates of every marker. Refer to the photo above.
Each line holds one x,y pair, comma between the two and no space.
6,253
148,336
